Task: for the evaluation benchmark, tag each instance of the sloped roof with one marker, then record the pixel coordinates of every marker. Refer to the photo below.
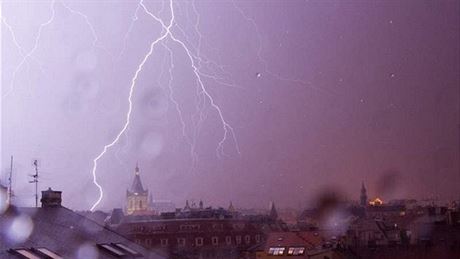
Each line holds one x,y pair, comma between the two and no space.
293,239
137,187
62,231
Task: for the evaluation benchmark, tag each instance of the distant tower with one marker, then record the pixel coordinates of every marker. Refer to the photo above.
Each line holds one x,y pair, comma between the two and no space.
137,197
187,206
363,197
273,212
231,209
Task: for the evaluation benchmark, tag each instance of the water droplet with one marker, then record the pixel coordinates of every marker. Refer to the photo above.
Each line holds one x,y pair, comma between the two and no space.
87,251
20,229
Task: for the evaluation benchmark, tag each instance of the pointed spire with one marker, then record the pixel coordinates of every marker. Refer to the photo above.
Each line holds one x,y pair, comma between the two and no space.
136,171
363,196
273,212
136,186
230,207
187,205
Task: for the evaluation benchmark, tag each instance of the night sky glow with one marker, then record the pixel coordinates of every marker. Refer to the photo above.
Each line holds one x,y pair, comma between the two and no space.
248,101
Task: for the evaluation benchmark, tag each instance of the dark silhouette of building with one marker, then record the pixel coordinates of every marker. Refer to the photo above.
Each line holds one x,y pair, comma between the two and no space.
53,231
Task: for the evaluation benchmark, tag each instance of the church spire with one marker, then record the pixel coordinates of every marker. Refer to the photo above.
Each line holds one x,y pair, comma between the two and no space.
231,208
363,197
137,197
136,186
273,213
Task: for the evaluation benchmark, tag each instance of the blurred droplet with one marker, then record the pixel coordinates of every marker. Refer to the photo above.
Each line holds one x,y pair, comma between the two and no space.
86,88
20,229
87,251
86,60
258,75
151,145
155,102
3,199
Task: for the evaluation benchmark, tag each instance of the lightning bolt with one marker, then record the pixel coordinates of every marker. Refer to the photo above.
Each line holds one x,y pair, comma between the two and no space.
128,113
228,131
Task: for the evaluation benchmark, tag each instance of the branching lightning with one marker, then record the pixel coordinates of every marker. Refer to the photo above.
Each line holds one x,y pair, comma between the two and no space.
28,55
201,67
262,60
228,130
128,114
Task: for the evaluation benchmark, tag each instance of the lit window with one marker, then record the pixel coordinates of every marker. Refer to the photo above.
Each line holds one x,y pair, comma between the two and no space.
48,253
164,242
181,241
199,241
247,239
126,249
228,240
215,241
296,250
276,251
112,249
26,253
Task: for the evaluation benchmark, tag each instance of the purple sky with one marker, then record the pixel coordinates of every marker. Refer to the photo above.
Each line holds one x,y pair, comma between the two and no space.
319,94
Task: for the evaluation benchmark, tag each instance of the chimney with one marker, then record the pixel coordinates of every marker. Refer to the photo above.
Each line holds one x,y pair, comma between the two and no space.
51,198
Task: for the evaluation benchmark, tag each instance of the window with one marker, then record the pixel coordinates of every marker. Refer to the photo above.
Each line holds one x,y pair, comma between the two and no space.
126,249
181,241
25,253
164,242
148,242
48,253
247,239
112,250
238,240
296,250
199,241
228,240
215,241
276,251
257,237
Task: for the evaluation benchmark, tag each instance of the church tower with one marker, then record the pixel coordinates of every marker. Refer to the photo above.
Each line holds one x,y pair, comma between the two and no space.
137,197
363,197
273,213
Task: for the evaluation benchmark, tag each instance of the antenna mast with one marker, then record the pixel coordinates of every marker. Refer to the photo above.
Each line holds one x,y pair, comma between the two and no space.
10,182
35,180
